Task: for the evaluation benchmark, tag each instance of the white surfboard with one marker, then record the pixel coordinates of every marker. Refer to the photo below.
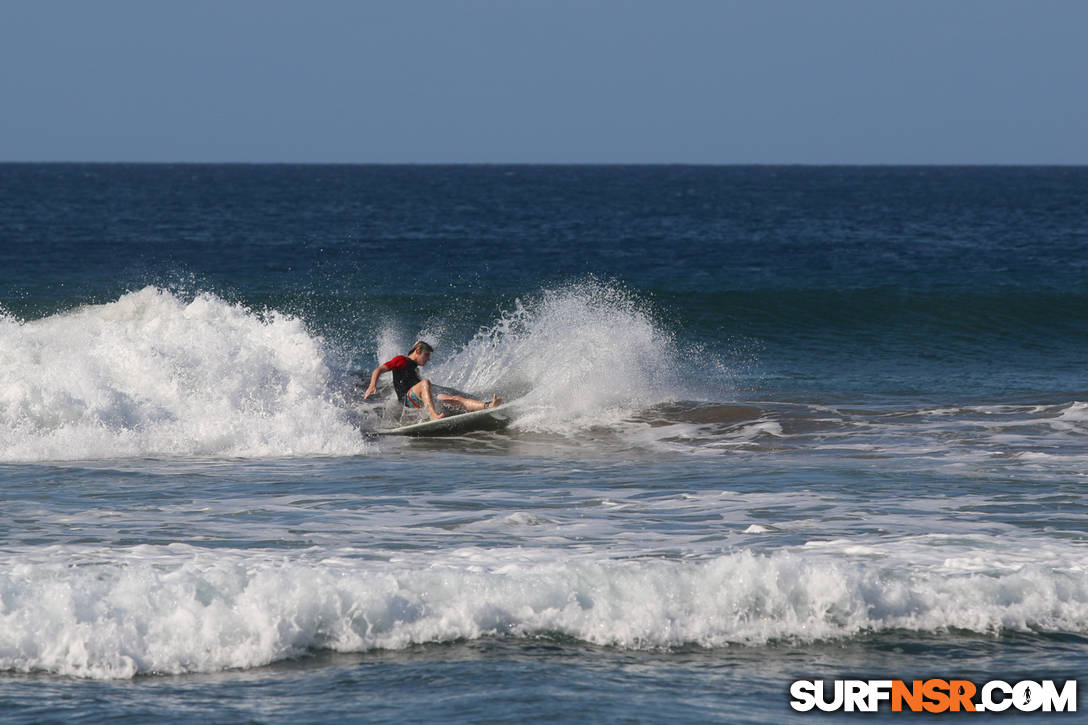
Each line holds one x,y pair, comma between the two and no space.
486,419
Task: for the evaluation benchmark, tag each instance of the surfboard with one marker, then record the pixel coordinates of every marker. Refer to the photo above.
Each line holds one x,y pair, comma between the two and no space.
487,419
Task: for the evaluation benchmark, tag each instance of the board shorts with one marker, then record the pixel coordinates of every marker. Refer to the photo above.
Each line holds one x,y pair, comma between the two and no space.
411,400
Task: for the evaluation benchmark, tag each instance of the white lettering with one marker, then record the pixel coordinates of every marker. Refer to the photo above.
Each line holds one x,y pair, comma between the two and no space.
879,690
803,693
992,705
1065,701
821,701
856,696
1027,696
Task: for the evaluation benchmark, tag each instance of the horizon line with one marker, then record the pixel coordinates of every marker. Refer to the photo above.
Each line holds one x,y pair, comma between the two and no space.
804,164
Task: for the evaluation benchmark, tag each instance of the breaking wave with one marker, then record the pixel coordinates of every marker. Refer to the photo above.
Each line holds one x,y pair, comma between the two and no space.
153,374
117,613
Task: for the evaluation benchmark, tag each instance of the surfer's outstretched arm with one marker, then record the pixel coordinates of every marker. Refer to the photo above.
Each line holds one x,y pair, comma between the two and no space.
373,388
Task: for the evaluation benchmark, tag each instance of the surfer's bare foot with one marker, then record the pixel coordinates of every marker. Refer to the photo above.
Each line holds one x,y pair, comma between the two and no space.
436,416
495,401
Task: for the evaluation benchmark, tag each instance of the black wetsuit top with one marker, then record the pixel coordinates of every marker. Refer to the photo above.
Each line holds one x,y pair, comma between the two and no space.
405,375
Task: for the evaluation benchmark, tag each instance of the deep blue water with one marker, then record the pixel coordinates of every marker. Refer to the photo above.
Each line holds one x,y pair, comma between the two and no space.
776,423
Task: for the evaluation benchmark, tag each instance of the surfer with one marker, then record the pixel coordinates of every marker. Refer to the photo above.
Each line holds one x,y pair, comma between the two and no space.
414,392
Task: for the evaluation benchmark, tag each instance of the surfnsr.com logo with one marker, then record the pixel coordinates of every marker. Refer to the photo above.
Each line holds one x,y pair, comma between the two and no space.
933,695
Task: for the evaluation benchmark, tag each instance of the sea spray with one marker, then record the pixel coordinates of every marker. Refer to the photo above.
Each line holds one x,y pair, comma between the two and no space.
582,355
154,374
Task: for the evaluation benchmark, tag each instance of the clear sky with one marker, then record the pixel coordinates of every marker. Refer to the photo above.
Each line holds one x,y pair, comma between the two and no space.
606,81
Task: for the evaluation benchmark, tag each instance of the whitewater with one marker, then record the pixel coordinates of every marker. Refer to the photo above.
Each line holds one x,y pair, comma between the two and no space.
773,425
169,373
173,609
664,561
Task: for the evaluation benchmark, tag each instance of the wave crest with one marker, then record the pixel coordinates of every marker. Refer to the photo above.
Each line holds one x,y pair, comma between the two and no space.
153,374
178,609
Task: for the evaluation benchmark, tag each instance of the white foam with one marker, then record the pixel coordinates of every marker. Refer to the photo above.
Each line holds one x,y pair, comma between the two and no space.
153,374
1076,413
586,355
116,613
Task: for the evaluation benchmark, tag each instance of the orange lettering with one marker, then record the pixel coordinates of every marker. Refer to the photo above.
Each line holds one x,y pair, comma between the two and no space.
961,693
912,695
937,691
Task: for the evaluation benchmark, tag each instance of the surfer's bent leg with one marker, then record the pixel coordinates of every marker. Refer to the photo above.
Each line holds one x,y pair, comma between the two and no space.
423,390
469,404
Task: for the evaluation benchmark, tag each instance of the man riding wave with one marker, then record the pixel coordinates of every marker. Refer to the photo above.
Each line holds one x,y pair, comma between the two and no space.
414,392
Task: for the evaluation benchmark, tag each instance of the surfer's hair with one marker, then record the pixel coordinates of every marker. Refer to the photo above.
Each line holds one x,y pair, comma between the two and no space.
421,347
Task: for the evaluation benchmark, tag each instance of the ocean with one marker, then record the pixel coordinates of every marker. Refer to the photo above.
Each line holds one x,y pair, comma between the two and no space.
775,424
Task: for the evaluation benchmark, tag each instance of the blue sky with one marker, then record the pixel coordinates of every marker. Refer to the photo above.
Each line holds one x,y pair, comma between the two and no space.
437,81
